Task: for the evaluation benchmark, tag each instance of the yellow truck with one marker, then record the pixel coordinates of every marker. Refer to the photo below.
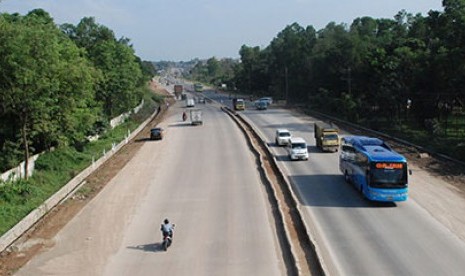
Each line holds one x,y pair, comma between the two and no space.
326,136
238,104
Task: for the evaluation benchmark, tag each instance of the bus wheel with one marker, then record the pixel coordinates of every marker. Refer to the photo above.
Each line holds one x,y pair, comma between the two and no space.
346,177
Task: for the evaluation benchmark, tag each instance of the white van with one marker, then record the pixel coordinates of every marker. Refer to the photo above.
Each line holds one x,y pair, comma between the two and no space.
297,149
190,102
283,137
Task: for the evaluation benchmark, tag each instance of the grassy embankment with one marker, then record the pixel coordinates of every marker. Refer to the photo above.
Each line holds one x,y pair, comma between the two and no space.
54,169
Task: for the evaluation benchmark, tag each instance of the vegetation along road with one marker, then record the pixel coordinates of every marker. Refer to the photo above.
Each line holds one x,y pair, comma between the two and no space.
68,83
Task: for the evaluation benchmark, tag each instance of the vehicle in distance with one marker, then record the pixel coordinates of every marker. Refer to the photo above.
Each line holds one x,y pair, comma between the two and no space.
198,87
297,149
268,100
156,133
178,89
261,105
196,116
326,136
201,100
190,102
376,170
238,104
283,137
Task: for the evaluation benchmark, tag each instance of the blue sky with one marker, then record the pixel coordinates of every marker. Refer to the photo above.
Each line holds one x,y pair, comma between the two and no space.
180,30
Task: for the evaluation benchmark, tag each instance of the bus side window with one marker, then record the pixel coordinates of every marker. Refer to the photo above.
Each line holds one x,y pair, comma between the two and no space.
348,153
362,160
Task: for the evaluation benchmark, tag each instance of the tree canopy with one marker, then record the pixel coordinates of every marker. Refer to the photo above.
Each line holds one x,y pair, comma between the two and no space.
387,67
57,82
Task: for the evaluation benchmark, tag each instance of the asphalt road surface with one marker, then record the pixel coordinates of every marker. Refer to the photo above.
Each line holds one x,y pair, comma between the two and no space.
204,179
422,236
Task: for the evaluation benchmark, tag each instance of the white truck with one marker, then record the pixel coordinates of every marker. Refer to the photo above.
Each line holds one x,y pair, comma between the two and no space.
196,116
190,102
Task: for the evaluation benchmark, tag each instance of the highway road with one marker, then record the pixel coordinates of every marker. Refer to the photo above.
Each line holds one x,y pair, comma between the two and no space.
204,179
422,236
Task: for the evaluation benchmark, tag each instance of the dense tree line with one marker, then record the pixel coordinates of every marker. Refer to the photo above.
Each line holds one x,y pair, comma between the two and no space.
58,84
372,71
213,71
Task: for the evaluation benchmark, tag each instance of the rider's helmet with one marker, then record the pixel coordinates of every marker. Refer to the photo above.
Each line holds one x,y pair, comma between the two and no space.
166,221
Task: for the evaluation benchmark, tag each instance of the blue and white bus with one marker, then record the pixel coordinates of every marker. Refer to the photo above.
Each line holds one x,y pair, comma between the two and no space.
379,172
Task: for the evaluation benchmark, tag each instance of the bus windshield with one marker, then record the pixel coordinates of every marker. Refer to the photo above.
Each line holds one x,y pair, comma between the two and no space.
388,175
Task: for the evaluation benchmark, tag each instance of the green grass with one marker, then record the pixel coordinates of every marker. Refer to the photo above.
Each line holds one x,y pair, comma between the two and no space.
54,169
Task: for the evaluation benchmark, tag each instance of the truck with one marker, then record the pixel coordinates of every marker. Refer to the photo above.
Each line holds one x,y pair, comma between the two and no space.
198,87
190,102
196,116
326,136
238,104
178,89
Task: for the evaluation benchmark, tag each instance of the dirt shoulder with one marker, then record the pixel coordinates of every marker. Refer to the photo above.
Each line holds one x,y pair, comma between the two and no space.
40,237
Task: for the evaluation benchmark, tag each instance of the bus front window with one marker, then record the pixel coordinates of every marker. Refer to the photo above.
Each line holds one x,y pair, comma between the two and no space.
388,175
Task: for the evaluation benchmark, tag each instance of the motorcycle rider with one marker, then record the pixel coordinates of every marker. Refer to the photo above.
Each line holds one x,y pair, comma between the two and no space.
167,228
184,116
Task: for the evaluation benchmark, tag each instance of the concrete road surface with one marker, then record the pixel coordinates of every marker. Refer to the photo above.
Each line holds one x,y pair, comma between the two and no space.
204,179
422,236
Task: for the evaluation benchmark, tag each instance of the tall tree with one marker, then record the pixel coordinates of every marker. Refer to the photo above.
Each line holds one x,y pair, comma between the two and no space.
120,68
45,79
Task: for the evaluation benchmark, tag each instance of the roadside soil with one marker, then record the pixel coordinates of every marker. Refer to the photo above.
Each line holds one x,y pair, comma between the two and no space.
40,237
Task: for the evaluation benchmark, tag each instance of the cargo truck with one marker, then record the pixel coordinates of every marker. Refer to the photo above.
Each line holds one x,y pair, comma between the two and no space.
178,90
238,104
196,116
190,102
198,87
327,137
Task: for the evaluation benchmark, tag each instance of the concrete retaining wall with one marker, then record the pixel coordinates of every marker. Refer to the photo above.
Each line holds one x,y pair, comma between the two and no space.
18,172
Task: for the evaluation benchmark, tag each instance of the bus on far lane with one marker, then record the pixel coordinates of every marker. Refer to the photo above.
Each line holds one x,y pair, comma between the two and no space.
379,172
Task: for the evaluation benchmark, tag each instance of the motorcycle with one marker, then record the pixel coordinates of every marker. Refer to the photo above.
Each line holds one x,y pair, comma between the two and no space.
167,240
184,116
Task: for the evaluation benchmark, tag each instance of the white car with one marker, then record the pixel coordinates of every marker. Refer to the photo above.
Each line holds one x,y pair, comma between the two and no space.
283,136
297,149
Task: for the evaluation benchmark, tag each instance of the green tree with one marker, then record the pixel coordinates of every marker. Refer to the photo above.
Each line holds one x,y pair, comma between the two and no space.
121,70
45,82
252,76
290,69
